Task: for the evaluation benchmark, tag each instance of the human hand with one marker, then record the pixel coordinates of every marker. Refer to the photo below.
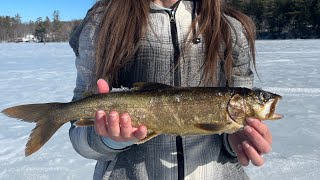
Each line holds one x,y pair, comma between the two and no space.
114,126
251,143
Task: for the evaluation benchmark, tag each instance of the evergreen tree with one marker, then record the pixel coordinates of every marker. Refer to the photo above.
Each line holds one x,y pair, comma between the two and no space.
40,30
5,28
56,26
47,25
273,18
16,22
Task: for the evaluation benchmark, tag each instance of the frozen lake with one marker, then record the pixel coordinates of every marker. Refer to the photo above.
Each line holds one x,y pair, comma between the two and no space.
34,73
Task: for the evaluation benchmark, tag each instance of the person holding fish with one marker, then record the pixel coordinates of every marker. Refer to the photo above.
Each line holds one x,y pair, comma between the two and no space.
189,115
178,43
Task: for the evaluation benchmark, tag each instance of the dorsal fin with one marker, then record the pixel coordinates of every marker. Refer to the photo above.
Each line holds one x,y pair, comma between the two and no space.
139,86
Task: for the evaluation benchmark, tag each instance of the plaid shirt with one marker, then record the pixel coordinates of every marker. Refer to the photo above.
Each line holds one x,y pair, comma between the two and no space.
204,157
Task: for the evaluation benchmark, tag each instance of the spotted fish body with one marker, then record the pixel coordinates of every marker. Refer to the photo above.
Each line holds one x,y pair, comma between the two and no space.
162,109
169,111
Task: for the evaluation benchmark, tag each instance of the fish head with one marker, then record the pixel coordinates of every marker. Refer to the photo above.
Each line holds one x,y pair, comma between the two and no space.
262,105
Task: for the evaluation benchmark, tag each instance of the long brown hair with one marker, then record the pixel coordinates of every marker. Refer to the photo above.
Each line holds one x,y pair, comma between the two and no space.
125,22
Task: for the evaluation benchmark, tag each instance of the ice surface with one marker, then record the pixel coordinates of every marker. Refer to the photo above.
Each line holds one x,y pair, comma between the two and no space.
33,73
291,68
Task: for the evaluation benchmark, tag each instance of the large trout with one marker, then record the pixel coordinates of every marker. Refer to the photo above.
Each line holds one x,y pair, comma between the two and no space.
161,108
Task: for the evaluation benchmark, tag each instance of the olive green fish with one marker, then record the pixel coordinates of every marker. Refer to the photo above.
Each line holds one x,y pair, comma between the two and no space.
161,108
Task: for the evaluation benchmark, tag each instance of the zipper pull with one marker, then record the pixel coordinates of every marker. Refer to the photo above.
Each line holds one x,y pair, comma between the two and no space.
171,14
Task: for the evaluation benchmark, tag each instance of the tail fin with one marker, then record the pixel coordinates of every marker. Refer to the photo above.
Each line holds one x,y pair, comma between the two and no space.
45,117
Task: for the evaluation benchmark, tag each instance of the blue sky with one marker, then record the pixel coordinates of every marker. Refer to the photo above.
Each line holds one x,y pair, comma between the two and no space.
32,9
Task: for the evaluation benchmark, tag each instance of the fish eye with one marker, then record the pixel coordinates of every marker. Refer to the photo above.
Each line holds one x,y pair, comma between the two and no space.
264,97
261,96
267,96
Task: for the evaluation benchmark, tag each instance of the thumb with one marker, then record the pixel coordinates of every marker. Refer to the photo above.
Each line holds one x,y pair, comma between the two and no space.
102,86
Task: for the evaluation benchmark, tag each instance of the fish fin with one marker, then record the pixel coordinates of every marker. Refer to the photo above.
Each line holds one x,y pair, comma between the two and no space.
236,109
87,94
45,117
150,135
210,126
84,122
149,86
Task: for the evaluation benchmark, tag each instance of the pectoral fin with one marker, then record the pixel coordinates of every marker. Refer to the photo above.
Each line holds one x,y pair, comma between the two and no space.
210,127
84,122
150,135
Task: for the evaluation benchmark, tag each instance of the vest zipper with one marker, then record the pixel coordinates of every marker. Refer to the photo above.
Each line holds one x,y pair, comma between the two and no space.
176,49
177,82
180,157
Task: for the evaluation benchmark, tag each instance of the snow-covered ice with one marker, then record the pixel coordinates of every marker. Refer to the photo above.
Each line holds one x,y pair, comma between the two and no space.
35,73
32,73
292,69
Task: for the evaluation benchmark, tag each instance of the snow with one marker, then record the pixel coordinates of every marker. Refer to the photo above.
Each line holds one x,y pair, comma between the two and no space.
35,73
291,68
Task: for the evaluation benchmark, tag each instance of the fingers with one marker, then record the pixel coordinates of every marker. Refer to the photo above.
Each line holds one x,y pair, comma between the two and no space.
251,154
252,142
258,141
118,128
234,139
141,132
126,127
261,128
259,135
102,86
249,148
242,157
113,125
246,152
100,123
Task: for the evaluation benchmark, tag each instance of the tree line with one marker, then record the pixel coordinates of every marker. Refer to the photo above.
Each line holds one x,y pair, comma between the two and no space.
282,19
275,19
45,30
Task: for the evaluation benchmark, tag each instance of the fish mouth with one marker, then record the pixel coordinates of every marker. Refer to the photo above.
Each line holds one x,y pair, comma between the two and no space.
276,116
272,115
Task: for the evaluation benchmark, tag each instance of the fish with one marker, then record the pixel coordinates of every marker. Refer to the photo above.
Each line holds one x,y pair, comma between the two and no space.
163,109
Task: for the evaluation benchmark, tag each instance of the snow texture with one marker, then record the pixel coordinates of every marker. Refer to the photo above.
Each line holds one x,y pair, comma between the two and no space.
38,73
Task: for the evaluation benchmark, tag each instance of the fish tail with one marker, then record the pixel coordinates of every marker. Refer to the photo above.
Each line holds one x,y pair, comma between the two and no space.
46,119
